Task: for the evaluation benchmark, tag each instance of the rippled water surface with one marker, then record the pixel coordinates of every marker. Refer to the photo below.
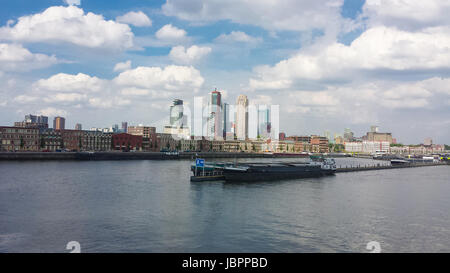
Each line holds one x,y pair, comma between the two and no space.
150,206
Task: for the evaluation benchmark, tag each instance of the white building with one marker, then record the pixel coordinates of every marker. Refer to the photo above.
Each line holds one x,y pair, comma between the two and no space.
242,117
375,146
368,147
353,147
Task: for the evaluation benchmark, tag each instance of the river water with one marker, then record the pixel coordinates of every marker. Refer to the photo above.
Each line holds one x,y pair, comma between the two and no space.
150,206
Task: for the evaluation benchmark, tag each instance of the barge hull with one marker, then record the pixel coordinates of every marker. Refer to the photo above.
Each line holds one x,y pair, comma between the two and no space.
257,177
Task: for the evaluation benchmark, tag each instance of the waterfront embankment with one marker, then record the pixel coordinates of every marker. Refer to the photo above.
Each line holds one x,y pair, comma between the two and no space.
125,155
369,167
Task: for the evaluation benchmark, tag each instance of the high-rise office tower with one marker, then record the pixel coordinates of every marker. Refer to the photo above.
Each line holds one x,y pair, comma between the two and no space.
32,121
348,135
242,117
36,119
124,127
176,114
263,121
215,118
59,123
178,122
228,121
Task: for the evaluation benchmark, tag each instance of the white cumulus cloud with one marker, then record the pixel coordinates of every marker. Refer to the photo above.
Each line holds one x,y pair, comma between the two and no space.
298,15
238,36
171,78
62,82
137,19
73,2
193,54
170,33
52,112
140,85
16,57
69,25
122,66
410,14
378,48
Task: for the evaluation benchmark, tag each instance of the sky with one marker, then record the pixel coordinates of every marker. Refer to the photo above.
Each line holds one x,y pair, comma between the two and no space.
329,64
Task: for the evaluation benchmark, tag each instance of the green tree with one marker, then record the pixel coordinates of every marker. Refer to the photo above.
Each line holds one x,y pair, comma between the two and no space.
339,148
22,143
396,145
42,142
80,145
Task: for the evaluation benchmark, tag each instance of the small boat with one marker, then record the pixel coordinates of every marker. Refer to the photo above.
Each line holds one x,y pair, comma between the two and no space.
399,162
291,155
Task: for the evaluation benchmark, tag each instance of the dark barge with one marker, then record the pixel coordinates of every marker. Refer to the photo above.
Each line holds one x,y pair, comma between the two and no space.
255,172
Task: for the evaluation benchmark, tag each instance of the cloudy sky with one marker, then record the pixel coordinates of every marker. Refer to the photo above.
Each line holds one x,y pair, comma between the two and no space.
329,64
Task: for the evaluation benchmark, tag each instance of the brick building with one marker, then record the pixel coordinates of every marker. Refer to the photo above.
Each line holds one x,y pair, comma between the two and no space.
96,141
319,144
144,131
72,140
50,140
127,142
19,139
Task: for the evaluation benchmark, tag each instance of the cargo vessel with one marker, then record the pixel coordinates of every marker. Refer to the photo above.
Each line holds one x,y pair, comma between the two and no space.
255,172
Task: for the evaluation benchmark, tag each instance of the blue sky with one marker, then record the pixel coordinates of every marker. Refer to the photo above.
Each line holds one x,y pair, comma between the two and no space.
329,64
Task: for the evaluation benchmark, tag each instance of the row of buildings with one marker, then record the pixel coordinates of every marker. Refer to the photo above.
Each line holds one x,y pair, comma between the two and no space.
140,138
144,138
33,134
378,142
229,129
372,147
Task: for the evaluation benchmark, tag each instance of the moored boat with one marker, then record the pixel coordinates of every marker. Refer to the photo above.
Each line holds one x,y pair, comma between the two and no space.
395,162
290,154
255,172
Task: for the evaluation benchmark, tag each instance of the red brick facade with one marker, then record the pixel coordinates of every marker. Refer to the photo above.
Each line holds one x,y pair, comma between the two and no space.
127,142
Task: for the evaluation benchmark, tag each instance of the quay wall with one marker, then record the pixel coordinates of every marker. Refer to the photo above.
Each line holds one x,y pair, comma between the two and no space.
384,167
122,155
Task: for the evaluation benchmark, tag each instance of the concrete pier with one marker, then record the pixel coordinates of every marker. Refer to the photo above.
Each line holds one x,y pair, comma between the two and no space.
372,167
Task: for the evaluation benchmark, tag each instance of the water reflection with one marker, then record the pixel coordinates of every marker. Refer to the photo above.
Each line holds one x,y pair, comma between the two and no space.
150,206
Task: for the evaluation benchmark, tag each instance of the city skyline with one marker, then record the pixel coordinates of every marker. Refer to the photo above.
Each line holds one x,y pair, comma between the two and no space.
356,64
262,117
180,125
